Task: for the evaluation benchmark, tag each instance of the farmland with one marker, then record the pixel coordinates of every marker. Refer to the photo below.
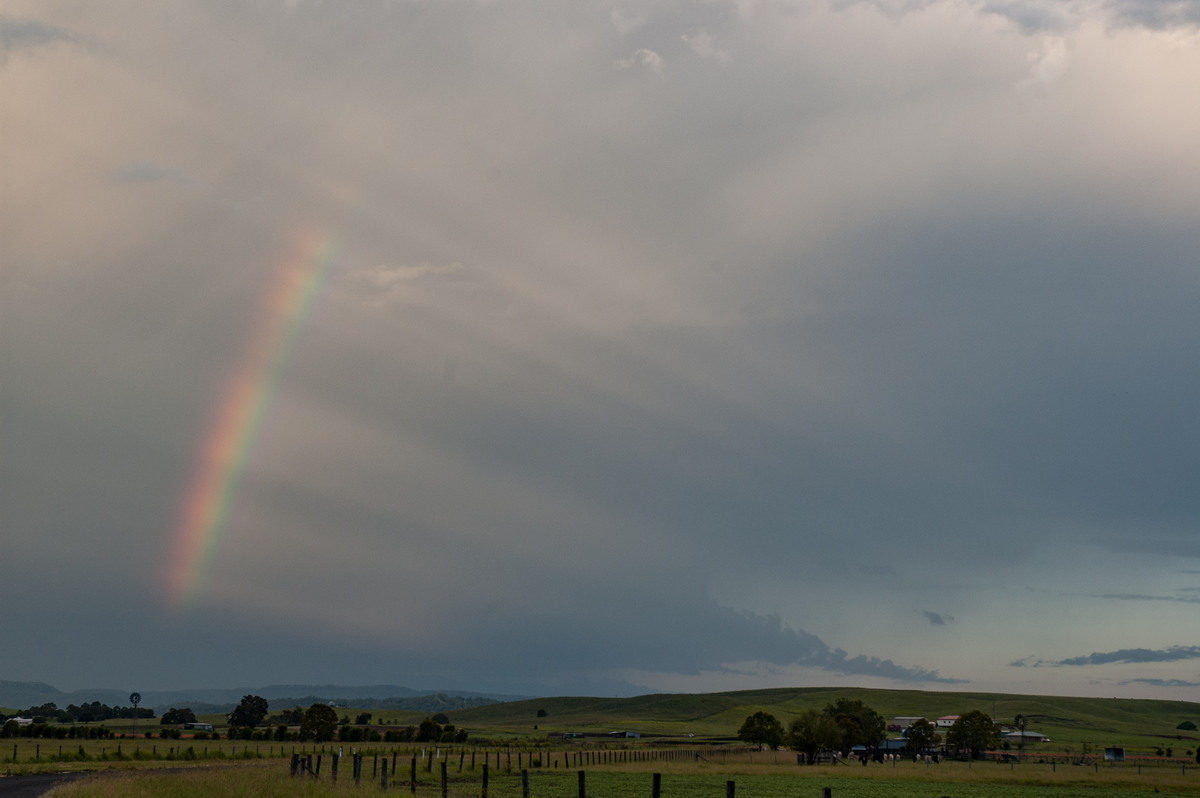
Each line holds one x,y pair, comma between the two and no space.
688,740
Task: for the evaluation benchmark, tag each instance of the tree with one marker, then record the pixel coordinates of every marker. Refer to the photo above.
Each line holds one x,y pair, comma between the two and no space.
362,719
857,722
173,716
430,731
290,717
922,735
320,723
973,733
250,712
813,732
761,728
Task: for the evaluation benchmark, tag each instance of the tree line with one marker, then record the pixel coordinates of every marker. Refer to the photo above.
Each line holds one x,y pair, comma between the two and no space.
846,724
82,713
320,723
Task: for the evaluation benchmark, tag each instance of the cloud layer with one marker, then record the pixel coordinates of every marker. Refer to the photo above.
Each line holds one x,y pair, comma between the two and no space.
664,345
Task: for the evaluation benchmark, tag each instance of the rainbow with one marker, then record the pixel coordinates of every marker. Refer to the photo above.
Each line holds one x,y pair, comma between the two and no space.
222,454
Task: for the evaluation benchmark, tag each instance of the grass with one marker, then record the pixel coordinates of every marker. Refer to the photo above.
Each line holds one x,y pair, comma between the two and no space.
754,776
681,721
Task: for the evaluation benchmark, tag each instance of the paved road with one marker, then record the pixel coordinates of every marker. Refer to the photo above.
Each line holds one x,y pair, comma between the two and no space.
33,785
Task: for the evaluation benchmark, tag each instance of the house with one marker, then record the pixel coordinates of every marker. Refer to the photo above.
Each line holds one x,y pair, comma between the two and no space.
946,721
1027,736
627,734
904,721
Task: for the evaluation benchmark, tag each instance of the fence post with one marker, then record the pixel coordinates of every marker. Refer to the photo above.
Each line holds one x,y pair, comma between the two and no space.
826,792
582,785
383,773
445,781
483,789
656,785
729,789
413,775
524,784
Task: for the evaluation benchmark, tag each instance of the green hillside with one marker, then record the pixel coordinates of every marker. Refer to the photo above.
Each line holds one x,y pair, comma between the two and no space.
1070,723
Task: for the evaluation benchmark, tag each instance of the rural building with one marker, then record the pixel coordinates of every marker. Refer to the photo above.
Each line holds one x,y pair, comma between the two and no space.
204,727
1027,736
946,721
902,722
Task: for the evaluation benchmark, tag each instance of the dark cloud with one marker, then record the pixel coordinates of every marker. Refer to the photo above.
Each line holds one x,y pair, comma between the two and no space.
18,33
1137,655
1164,682
527,432
1156,14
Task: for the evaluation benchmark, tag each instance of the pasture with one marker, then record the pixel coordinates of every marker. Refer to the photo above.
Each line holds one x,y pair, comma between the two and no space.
687,740
743,774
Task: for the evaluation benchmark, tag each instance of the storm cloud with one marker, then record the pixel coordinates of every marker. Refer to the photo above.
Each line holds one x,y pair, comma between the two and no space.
600,348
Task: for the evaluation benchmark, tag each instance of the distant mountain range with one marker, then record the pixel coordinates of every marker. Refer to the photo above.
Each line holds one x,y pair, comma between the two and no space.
22,695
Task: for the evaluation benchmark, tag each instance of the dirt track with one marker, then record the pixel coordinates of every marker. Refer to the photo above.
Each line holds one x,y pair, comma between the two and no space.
34,784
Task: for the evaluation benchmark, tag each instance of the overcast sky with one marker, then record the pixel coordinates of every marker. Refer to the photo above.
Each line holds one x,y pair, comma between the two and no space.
630,346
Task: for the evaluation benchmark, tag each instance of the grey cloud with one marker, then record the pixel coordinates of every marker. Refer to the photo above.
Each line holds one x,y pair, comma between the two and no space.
17,33
1172,654
1031,16
595,342
1156,14
1163,682
145,172
1139,597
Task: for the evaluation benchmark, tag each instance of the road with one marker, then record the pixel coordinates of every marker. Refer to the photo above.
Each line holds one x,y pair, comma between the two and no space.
34,784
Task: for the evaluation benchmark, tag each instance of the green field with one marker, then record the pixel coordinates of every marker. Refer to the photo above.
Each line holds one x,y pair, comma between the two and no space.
526,735
753,776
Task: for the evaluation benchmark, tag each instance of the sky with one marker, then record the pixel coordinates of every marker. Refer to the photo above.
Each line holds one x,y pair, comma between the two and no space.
601,348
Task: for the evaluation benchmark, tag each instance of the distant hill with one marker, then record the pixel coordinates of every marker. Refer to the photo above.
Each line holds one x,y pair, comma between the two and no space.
21,695
1068,721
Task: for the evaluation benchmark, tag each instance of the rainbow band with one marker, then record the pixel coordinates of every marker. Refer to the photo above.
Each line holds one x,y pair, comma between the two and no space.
223,453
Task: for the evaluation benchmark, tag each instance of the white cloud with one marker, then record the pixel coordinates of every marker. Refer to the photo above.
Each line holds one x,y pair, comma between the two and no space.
1048,64
643,57
704,44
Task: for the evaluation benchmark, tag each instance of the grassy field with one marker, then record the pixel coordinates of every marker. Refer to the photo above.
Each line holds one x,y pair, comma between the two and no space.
1140,726
1079,728
753,776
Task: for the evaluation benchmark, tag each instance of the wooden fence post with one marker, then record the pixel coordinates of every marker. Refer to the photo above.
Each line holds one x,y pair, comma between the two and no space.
524,784
582,785
656,785
729,789
484,786
383,774
413,774
445,780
